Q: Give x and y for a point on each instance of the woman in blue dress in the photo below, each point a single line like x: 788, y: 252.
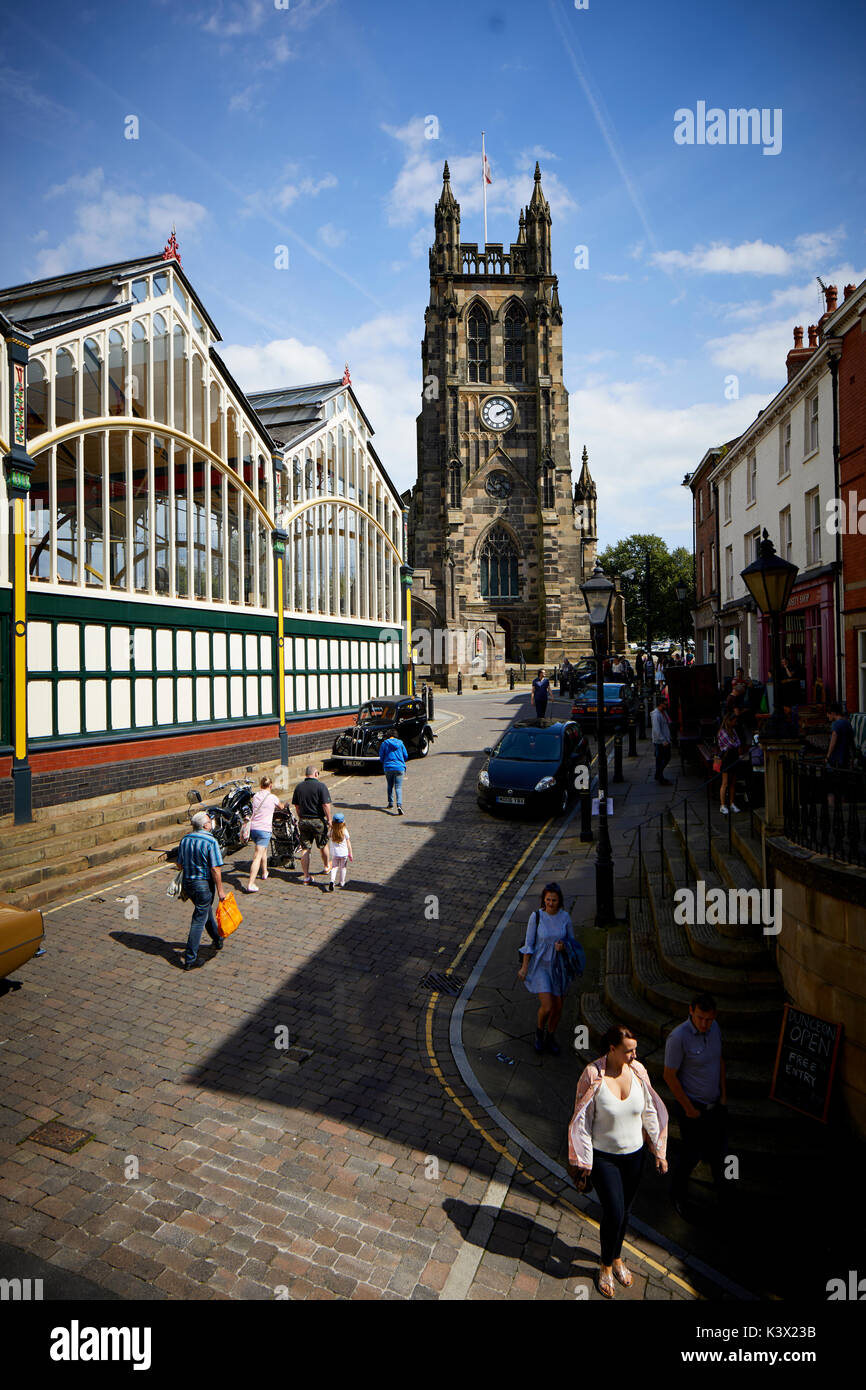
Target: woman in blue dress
x: 544, y: 970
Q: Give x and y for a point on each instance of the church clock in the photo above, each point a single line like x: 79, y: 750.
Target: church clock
x: 497, y: 413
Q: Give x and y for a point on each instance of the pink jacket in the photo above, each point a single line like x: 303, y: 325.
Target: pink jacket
x: 654, y: 1118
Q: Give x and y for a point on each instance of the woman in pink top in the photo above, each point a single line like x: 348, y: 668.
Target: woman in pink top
x: 261, y: 825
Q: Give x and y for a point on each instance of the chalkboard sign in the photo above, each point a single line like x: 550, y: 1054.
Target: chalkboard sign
x: 805, y: 1063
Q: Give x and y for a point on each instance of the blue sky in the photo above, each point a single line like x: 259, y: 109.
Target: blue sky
x: 306, y: 126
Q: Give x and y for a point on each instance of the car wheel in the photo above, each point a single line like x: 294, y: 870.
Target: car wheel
x: 423, y: 746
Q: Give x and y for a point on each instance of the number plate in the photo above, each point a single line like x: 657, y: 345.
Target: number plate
x: 353, y: 762
x: 512, y: 800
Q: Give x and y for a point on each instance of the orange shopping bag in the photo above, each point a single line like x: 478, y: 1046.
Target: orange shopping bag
x: 228, y: 916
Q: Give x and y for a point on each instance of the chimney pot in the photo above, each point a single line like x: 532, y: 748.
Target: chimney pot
x: 849, y: 290
x: 813, y: 335
x: 798, y: 337
x: 832, y: 295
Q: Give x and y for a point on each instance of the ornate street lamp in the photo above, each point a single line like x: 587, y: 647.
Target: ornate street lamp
x: 681, y: 591
x: 769, y: 580
x: 598, y: 592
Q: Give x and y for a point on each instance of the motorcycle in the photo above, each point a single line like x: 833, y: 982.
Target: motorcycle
x: 234, y: 811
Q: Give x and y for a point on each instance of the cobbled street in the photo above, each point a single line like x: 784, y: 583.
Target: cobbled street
x: 287, y: 1120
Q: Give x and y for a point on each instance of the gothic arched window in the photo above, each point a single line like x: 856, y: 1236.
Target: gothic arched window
x: 515, y: 338
x: 478, y: 346
x: 499, y: 576
x: 455, y: 489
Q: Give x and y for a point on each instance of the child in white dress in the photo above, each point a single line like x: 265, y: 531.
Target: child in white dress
x: 341, y: 852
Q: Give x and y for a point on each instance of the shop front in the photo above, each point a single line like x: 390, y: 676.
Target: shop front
x: 808, y: 643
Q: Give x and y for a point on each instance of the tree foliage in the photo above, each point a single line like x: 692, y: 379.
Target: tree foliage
x: 667, y: 568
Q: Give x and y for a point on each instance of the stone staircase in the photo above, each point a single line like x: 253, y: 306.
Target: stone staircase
x: 72, y: 849
x: 655, y: 965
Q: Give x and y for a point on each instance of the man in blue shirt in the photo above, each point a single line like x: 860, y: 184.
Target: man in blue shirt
x: 393, y: 756
x: 540, y: 694
x: 695, y: 1073
x: 200, y: 858
x: 841, y: 738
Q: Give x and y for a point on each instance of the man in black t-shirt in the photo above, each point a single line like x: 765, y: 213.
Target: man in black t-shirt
x: 312, y: 802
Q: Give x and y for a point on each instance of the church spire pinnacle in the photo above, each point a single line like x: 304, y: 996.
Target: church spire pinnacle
x: 445, y: 253
x: 171, y: 250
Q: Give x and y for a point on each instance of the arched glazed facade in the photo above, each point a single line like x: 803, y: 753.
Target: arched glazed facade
x: 161, y: 596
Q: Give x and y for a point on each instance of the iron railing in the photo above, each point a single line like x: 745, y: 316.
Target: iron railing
x: 824, y: 809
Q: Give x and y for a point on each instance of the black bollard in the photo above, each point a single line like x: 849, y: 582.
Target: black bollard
x: 586, y: 817
x: 511, y: 678
x: 617, y: 758
x: 641, y: 722
x: 632, y: 739
x: 459, y: 682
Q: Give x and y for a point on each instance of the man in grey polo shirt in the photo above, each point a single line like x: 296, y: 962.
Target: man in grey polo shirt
x: 695, y: 1073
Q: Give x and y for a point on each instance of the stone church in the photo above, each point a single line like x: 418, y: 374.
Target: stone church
x: 500, y: 537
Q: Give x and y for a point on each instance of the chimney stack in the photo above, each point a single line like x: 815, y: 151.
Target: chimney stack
x: 849, y: 290
x: 831, y: 295
x: 798, y: 354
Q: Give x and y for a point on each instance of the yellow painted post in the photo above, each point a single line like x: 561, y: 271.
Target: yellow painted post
x: 278, y: 540
x: 18, y: 466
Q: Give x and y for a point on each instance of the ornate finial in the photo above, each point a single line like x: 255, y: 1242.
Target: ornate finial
x: 171, y: 251
x: 347, y: 380
x: 584, y: 458
x: 537, y: 172
x: 446, y: 173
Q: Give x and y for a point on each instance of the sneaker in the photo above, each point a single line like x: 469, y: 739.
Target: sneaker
x: 399, y: 810
x: 724, y: 810
x: 330, y: 888
x: 735, y: 810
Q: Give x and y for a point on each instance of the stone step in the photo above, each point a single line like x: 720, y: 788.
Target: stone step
x: 740, y: 1010
x: 738, y: 970
x: 99, y: 818
x: 76, y: 866
x: 702, y: 867
x: 716, y: 942
x: 70, y: 845
x: 85, y: 884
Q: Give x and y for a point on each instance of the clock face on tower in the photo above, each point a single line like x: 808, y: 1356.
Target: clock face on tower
x: 497, y: 413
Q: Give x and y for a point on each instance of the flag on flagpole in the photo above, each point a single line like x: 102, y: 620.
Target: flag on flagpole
x: 485, y: 180
x: 486, y: 168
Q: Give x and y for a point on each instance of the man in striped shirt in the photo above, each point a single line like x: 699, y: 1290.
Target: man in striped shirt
x: 200, y: 858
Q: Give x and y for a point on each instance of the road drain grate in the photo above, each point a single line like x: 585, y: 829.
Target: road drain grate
x: 57, y: 1136
x: 440, y: 982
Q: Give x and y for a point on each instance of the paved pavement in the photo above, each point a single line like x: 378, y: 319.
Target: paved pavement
x: 289, y: 1119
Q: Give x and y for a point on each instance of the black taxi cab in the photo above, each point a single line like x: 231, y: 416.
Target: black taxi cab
x: 404, y: 716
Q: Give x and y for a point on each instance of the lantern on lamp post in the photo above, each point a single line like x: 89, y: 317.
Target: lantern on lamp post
x: 769, y: 580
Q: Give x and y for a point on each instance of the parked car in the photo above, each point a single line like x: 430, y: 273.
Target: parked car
x: 400, y: 715
x: 618, y: 700
x: 533, y: 766
x: 21, y: 933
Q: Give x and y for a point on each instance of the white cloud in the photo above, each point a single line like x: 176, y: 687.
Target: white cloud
x: 752, y: 257
x: 280, y: 52
x: 242, y: 18
x: 87, y: 185
x: 331, y: 235
x: 308, y: 188
x: 243, y: 100
x: 639, y: 452
x: 615, y: 279
x: 419, y: 182
x: 281, y: 362
x: 116, y: 226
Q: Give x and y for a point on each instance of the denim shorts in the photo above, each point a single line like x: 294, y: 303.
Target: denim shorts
x: 260, y: 837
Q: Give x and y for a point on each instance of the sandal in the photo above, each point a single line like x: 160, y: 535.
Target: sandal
x: 604, y: 1284
x: 623, y: 1275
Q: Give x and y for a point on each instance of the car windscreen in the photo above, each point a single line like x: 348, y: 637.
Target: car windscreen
x: 530, y: 746
x: 377, y: 714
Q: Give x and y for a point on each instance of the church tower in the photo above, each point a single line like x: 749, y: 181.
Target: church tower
x: 499, y: 537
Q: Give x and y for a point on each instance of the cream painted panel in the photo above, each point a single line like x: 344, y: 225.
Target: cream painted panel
x: 164, y: 700
x: 219, y: 651
x: 237, y: 696
x: 236, y: 651
x: 300, y: 655
x: 311, y: 653
x: 267, y: 695
x: 143, y: 649
x: 334, y: 662
x: 344, y: 690
x: 252, y: 695
x: 301, y: 692
x: 68, y: 717
x: 184, y: 700
x: 39, y: 647
x: 353, y: 660
x: 95, y: 705
x: 344, y: 655
x: 39, y: 698
x: 121, y: 704
x: 335, y: 691
x: 290, y: 694
x: 202, y: 698
x: 252, y: 652
x: 312, y: 701
x: 202, y: 651
x: 323, y: 692
x: 67, y: 647
x: 323, y: 654
x: 356, y: 699
x: 365, y: 688
x: 183, y: 648
x: 164, y: 655
x: 265, y: 656
x: 220, y: 697
x: 118, y: 645
x: 143, y: 704
x: 94, y: 648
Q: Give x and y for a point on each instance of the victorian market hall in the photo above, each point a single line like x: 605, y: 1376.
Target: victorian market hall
x: 499, y: 536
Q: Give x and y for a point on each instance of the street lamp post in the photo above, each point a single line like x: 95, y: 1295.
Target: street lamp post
x: 598, y: 592
x: 681, y: 592
x: 769, y: 580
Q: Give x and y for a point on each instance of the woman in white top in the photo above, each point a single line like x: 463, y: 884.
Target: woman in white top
x: 616, y: 1114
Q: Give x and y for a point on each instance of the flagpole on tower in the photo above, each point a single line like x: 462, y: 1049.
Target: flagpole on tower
x: 484, y: 185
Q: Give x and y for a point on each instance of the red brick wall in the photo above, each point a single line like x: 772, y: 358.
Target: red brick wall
x: 852, y: 473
